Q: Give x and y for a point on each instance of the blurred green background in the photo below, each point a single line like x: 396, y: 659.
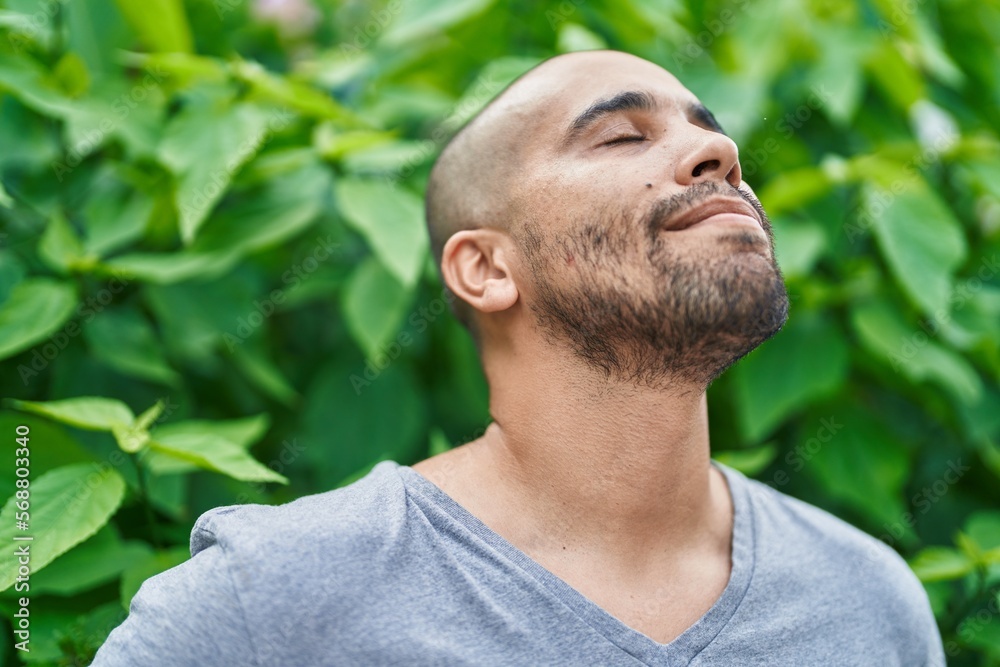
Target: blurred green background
x: 215, y: 284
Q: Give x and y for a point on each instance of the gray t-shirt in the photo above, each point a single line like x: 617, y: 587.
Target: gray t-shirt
x: 390, y: 570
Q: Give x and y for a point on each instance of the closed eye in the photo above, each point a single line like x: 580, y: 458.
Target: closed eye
x: 624, y: 139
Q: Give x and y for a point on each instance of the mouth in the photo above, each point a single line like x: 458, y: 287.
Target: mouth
x: 718, y: 210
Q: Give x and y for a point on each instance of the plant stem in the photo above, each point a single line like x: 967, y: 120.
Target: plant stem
x: 144, y: 494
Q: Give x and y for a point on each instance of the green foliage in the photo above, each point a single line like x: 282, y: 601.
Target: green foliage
x: 212, y: 237
x: 68, y: 505
x: 34, y: 309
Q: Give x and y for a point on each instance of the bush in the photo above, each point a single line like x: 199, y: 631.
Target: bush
x: 213, y: 241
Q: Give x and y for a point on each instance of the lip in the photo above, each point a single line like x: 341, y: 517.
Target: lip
x: 720, y: 209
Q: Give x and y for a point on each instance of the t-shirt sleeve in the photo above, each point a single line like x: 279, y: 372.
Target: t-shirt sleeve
x: 187, y: 616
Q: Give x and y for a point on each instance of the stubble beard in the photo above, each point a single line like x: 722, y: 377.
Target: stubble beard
x: 707, y: 312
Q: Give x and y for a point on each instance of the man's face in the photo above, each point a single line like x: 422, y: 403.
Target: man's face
x: 646, y: 252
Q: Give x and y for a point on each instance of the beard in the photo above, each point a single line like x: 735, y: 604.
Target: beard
x: 707, y: 308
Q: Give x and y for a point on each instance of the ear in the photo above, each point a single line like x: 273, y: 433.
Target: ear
x: 475, y: 268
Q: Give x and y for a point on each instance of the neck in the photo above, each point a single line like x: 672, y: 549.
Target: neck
x: 618, y: 471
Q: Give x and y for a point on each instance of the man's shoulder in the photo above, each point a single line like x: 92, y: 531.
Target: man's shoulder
x: 259, y: 575
x: 818, y: 531
x: 813, y: 548
x: 328, y: 525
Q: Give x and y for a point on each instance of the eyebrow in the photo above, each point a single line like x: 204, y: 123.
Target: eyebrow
x: 705, y: 117
x: 632, y: 100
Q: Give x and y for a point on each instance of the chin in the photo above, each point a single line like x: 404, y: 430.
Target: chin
x: 746, y: 242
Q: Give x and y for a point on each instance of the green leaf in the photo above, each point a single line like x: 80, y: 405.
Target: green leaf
x: 167, y: 268
x: 12, y: 272
x: 939, y: 595
x: 182, y: 68
x: 195, y: 317
x: 150, y: 416
x: 242, y: 432
x: 333, y: 144
x: 985, y: 175
x: 26, y: 80
x: 383, y: 413
x: 857, y: 460
x: 123, y: 339
x: 135, y: 436
x: 169, y: 493
x: 204, y: 146
x: 213, y: 453
x: 899, y: 81
x: 438, y: 442
x: 111, y: 111
x: 95, y: 561
x: 88, y: 630
x: 748, y: 461
x: 72, y: 75
x: 839, y: 70
x: 798, y: 245
x: 265, y: 375
x: 951, y: 371
x: 983, y: 528
x: 910, y: 351
x: 164, y: 466
x: 969, y: 547
x: 74, y: 626
x: 283, y: 208
x: 292, y: 95
x: 421, y: 19
x: 786, y: 373
x: 161, y: 24
x: 934, y: 57
x: 60, y: 247
x: 95, y: 30
x: 941, y: 563
x: 920, y: 240
x: 93, y: 413
x: 984, y: 637
x: 391, y: 220
x: 399, y: 158
x: 5, y: 199
x: 793, y: 189
x: 60, y: 449
x: 575, y: 37
x: 374, y: 306
x: 35, y: 309
x: 129, y: 438
x: 26, y: 141
x: 114, y: 220
x: 68, y: 505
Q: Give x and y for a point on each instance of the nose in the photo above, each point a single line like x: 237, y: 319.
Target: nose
x: 709, y: 156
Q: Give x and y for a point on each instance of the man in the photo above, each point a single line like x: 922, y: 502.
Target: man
x: 610, y: 262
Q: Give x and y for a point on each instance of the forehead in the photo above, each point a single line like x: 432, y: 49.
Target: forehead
x: 556, y: 92
x: 534, y: 115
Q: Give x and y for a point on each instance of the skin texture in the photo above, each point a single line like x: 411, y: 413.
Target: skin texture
x: 600, y: 326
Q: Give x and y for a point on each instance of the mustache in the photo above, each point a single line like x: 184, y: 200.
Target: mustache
x: 675, y: 205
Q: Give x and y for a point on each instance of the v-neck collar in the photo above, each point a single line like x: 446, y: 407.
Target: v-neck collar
x: 685, y: 646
